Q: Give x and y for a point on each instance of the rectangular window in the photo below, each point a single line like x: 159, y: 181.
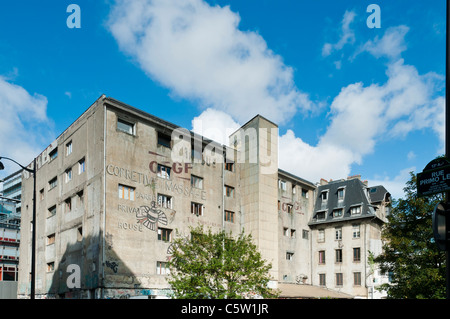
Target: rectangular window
x: 229, y: 216
x: 286, y: 231
x: 320, y: 216
x: 322, y: 257
x: 162, y: 268
x: 126, y: 192
x: 282, y: 185
x: 125, y: 126
x: 163, y: 171
x: 53, y: 183
x: 50, y: 266
x: 357, y: 278
x: 68, y: 175
x: 164, y: 201
x: 164, y: 140
x: 53, y: 154
x: 197, y: 209
x: 324, y: 195
x: 337, y: 213
x: 355, y: 210
x: 41, y: 194
x: 69, y: 148
x: 356, y: 231
x: 290, y: 208
x: 50, y: 239
x: 339, y: 279
x: 196, y: 182
x: 81, y: 166
x: 80, y: 195
x: 164, y: 234
x: 321, y: 236
x: 356, y: 254
x: 305, y: 234
x: 229, y: 167
x: 304, y: 193
x: 338, y: 232
x: 340, y: 193
x: 68, y: 205
x: 293, y: 233
x: 51, y: 211
x: 322, y: 280
x: 229, y: 191
x: 338, y: 255
x: 289, y: 256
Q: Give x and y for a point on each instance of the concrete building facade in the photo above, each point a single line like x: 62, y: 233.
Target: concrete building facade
x: 117, y: 185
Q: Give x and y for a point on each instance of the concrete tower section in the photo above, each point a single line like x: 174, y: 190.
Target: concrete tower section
x: 257, y: 147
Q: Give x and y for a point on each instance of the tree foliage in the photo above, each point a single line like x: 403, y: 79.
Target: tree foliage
x: 218, y: 266
x: 410, y: 255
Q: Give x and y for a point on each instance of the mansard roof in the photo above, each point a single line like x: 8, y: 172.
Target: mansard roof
x: 355, y: 195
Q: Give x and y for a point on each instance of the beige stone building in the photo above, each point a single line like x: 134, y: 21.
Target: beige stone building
x: 115, y: 187
x: 346, y: 234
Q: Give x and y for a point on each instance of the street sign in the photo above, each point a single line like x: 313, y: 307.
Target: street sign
x: 439, y: 225
x: 435, y: 178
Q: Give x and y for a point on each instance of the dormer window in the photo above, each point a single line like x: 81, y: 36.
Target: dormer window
x: 320, y: 215
x: 356, y: 210
x: 324, y: 195
x: 337, y: 213
x: 340, y: 193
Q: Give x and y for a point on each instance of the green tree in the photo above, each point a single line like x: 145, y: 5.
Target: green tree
x: 410, y: 255
x: 218, y: 266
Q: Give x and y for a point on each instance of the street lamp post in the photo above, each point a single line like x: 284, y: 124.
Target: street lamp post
x: 33, y: 238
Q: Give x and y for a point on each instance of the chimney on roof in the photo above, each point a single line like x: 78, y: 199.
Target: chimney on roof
x: 323, y: 181
x: 354, y: 176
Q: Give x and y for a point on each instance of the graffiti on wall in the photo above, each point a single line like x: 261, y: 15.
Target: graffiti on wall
x: 151, y: 216
x: 112, y: 265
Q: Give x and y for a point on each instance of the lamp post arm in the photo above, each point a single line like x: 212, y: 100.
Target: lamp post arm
x: 25, y: 168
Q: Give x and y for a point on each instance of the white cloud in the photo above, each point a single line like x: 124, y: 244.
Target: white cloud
x: 215, y: 125
x: 392, y: 44
x: 394, y: 185
x: 313, y: 162
x: 347, y: 35
x: 198, y: 52
x: 411, y: 155
x: 362, y: 115
x: 23, y: 124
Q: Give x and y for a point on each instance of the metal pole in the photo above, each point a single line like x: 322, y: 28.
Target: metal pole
x: 447, y: 137
x: 33, y: 237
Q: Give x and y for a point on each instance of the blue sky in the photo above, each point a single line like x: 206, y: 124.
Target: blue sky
x: 348, y: 99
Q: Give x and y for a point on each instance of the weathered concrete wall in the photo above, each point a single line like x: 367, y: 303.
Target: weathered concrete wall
x: 116, y: 239
x: 66, y: 234
x: 294, y: 212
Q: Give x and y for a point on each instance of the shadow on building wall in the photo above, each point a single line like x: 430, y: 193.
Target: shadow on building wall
x: 79, y: 273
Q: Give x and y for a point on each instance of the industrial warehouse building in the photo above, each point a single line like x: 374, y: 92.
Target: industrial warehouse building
x: 114, y: 187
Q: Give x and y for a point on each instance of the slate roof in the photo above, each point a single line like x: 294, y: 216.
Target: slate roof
x: 355, y: 194
x: 377, y: 193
